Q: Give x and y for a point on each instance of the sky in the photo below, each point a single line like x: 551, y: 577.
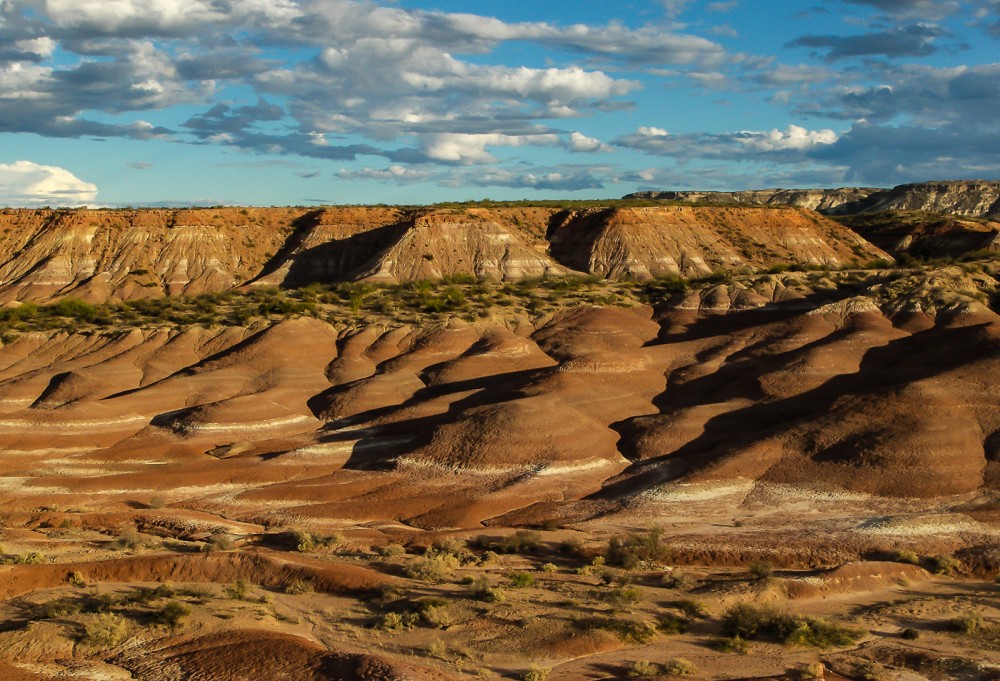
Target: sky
x: 311, y: 102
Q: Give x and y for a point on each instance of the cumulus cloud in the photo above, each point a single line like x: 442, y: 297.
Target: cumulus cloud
x: 580, y: 143
x: 795, y: 138
x: 28, y: 184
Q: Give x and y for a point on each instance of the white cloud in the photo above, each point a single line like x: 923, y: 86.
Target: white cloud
x: 465, y: 149
x: 795, y: 138
x: 580, y: 143
x: 28, y: 184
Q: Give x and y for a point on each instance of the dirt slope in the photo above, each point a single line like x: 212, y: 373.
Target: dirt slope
x: 110, y: 255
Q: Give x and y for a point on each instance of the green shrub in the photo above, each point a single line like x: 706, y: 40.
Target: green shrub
x: 678, y: 666
x: 967, y: 623
x: 644, y: 668
x: 818, y: 633
x: 239, y: 590
x: 640, y: 549
x: 732, y: 644
x: 750, y: 621
x: 105, y: 630
x: 623, y: 598
x: 627, y: 630
x: 910, y: 634
x: 536, y: 674
x: 945, y: 565
x: 689, y: 607
x: 521, y: 541
x: 669, y: 623
x: 905, y: 556
x: 432, y: 567
x: 521, y: 580
x: 391, y: 551
x: 297, y: 587
x: 482, y: 590
x: 172, y: 613
x: 747, y: 622
x: 761, y: 570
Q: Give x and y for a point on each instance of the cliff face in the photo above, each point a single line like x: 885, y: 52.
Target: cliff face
x: 968, y: 198
x: 124, y: 255
x: 694, y: 241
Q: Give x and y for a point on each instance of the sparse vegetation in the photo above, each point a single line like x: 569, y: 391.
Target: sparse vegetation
x: 640, y: 549
x: 105, y: 630
x: 746, y: 621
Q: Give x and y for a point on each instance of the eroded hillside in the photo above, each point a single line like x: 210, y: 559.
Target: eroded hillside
x: 127, y: 255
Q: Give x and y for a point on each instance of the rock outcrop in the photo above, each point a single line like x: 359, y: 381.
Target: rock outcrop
x: 110, y: 255
x: 961, y: 197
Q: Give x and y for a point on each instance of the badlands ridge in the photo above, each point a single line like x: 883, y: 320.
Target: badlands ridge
x: 763, y: 382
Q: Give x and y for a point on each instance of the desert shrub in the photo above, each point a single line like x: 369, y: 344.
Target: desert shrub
x: 750, y: 621
x: 677, y: 580
x: 622, y: 598
x: 133, y: 540
x: 637, y: 549
x: 452, y: 545
x: 761, y: 570
x: 391, y: 550
x: 689, y: 607
x: 627, y: 630
x: 521, y: 541
x: 536, y: 674
x: 60, y: 607
x: 548, y: 567
x: 218, y: 542
x: 678, y: 666
x: 968, y: 623
x: 643, y: 668
x: 945, y: 565
x: 239, y: 590
x: 31, y: 558
x: 815, y: 670
x: 732, y: 644
x: 521, y: 580
x: 397, y: 621
x: 76, y: 579
x: 905, y: 556
x: 432, y: 567
x: 438, y: 649
x: 910, y: 634
x: 105, y: 630
x: 156, y: 502
x: 818, y: 633
x: 172, y: 613
x: 297, y: 587
x: 669, y: 623
x: 303, y: 541
x: 146, y: 595
x: 482, y: 590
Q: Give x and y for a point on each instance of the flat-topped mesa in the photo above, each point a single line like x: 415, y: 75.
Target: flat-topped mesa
x: 822, y: 200
x: 693, y: 241
x: 120, y: 255
x: 972, y: 198
x: 126, y: 254
x: 482, y: 243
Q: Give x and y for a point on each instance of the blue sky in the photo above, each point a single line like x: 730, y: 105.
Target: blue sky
x: 303, y: 102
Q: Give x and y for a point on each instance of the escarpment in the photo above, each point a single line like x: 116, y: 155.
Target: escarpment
x: 101, y: 255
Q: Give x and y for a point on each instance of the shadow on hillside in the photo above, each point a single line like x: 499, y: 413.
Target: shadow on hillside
x: 883, y: 369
